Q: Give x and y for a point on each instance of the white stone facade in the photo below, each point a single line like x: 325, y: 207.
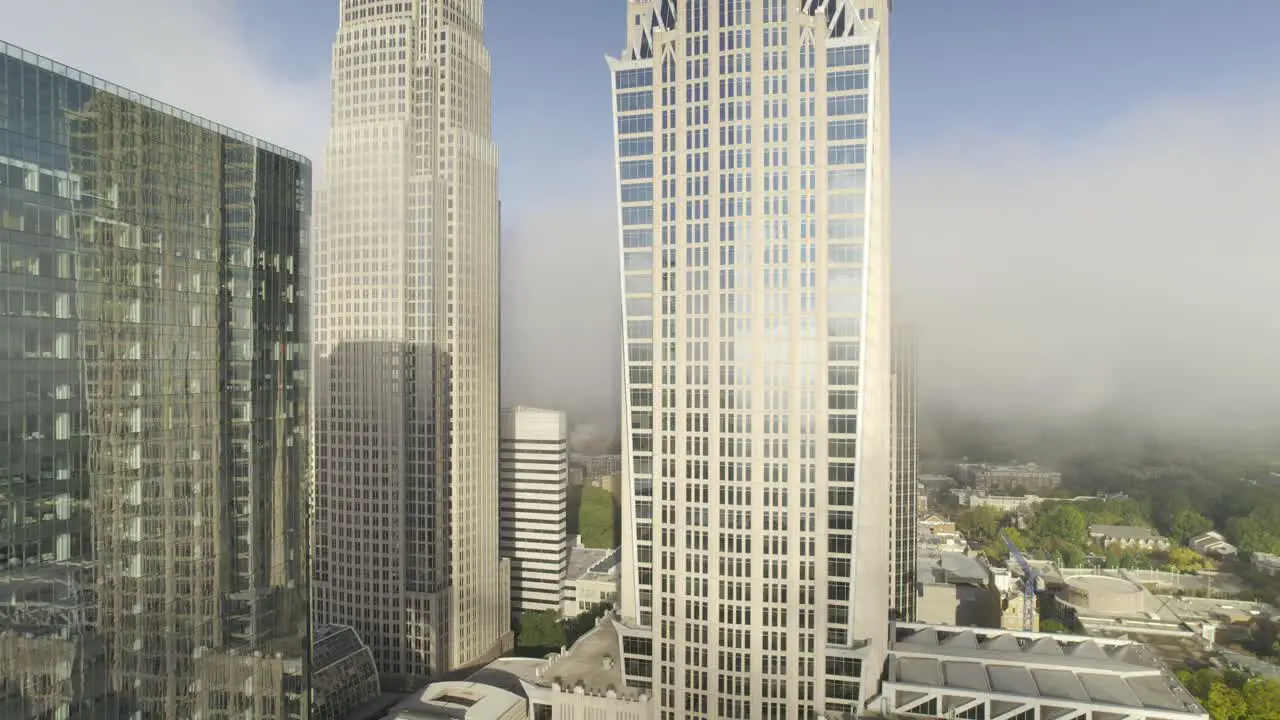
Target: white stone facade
x: 753, y: 170
x: 406, y: 342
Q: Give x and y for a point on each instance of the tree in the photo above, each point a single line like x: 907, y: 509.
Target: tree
x: 1060, y: 530
x: 1185, y: 560
x: 1262, y: 695
x: 596, y: 518
x: 1188, y: 524
x: 1200, y: 681
x: 1051, y: 625
x: 1263, y: 637
x: 980, y: 525
x: 1226, y: 703
x: 540, y: 630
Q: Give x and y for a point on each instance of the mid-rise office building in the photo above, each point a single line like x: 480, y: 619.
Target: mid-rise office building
x: 903, y: 528
x: 154, y: 388
x: 406, y: 338
x: 753, y: 170
x: 534, y: 481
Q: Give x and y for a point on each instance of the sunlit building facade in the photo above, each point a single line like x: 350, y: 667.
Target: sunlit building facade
x: 903, y: 527
x: 406, y: 343
x: 153, y: 408
x: 753, y: 169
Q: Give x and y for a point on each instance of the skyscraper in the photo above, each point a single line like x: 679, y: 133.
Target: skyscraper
x: 534, y: 476
x: 153, y: 407
x: 406, y: 337
x: 753, y: 163
x: 903, y: 528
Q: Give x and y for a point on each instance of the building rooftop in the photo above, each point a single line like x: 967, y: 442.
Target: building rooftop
x: 951, y: 567
x: 594, y: 662
x: 1041, y: 668
x: 1128, y: 532
x: 463, y: 700
x: 584, y: 561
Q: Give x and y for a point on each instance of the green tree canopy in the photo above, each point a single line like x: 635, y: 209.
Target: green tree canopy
x: 1188, y: 524
x: 1262, y: 695
x: 1060, y: 529
x: 540, y: 630
x: 1226, y: 703
x: 1052, y: 625
x: 980, y: 524
x: 596, y: 515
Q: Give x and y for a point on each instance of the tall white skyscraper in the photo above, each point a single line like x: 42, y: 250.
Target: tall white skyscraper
x: 406, y: 342
x: 753, y: 170
x: 534, y: 481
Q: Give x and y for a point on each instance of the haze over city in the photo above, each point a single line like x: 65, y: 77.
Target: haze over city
x: 1081, y: 203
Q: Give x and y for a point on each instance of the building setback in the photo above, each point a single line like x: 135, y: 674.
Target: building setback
x: 154, y: 391
x: 534, y: 481
x: 752, y: 148
x: 406, y: 338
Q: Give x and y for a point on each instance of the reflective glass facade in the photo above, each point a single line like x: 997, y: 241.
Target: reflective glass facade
x: 153, y: 408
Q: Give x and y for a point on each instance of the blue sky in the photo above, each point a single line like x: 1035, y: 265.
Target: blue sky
x: 1044, y: 68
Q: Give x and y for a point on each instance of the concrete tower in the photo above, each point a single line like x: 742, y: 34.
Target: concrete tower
x: 753, y: 171
x: 406, y: 342
x: 534, y: 480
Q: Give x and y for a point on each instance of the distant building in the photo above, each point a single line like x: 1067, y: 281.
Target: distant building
x: 1128, y: 536
x: 937, y: 482
x: 592, y: 579
x: 593, y: 466
x: 533, y: 477
x: 1007, y: 503
x: 1213, y: 543
x: 611, y: 483
x: 991, y: 478
x: 937, y: 525
x: 1266, y: 563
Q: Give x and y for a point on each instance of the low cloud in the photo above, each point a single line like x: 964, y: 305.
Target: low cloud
x: 561, y: 321
x: 1134, y: 266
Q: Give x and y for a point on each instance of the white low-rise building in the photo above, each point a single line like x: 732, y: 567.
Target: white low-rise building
x: 1128, y: 536
x: 1266, y: 563
x: 592, y: 580
x: 1213, y: 543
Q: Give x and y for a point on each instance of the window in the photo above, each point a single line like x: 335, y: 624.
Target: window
x: 639, y: 77
x: 846, y: 154
x: 630, y: 147
x: 632, y: 101
x: 847, y: 105
x: 637, y: 192
x: 845, y: 80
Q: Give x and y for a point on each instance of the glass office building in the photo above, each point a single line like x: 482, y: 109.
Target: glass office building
x: 153, y: 408
x: 753, y: 170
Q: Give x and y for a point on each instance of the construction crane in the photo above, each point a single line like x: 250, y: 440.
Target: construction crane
x: 1029, y: 581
